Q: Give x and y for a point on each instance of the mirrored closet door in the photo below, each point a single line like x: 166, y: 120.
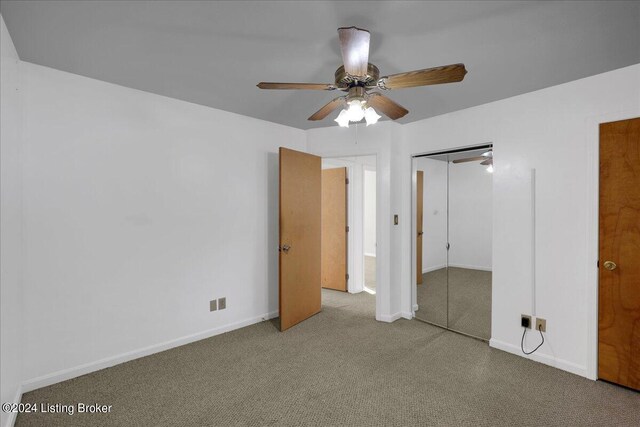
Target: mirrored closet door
x: 453, y: 240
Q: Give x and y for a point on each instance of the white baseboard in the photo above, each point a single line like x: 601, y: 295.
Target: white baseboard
x: 415, y: 307
x: 12, y: 415
x: 67, y: 374
x: 389, y: 317
x: 407, y: 315
x: 470, y: 267
x: 541, y: 358
x: 433, y: 268
x: 368, y: 254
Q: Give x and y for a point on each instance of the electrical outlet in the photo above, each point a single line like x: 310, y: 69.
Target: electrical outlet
x: 525, y: 321
x: 213, y: 305
x: 541, y: 325
x: 222, y: 303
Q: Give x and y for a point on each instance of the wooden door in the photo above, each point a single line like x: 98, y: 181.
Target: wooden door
x: 334, y: 229
x: 300, y: 200
x: 419, y: 225
x: 619, y: 258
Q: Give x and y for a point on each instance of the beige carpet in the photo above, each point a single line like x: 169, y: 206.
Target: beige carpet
x: 339, y: 368
x: 370, y: 272
x: 469, y: 300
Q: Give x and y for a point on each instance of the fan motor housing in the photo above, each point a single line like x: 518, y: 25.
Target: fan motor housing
x: 345, y: 80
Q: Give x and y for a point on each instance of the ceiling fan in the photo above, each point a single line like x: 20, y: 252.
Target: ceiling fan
x: 358, y: 78
x: 485, y: 159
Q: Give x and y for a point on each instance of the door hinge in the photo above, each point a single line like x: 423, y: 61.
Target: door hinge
x: 347, y: 276
x: 347, y: 228
x: 598, y: 264
x: 346, y: 181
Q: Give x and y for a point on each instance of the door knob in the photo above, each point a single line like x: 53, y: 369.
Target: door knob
x: 285, y: 248
x: 610, y: 265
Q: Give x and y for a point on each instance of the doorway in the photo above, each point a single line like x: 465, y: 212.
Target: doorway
x: 360, y: 214
x: 452, y: 235
x: 301, y: 235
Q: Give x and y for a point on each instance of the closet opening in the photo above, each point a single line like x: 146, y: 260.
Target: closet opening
x: 451, y: 235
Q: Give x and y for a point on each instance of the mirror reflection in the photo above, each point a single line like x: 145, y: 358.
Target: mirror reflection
x: 453, y: 252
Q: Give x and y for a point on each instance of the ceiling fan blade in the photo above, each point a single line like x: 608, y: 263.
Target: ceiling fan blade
x: 387, y: 106
x: 469, y: 159
x: 354, y: 44
x: 328, y: 108
x: 429, y: 76
x: 307, y: 86
x: 487, y: 162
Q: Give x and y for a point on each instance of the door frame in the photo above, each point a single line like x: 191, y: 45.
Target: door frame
x: 368, y: 168
x: 592, y: 142
x: 355, y: 264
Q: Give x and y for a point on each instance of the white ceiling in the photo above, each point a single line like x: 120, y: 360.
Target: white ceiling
x: 214, y: 53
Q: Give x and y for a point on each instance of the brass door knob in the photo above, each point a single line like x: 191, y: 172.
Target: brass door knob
x: 610, y: 265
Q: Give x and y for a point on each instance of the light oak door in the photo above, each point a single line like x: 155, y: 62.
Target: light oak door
x: 419, y: 215
x: 300, y: 202
x: 619, y: 258
x: 334, y: 229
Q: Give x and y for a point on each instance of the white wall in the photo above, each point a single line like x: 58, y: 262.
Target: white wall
x: 470, y: 216
x: 555, y: 131
x: 139, y: 209
x: 369, y: 212
x: 434, y: 213
x: 10, y: 224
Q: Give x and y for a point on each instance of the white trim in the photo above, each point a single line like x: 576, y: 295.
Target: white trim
x: 541, y: 358
x: 407, y: 315
x: 414, y: 234
x: 415, y: 307
x: 368, y: 290
x: 369, y: 254
x: 67, y: 374
x: 471, y: 267
x: 389, y: 317
x: 434, y: 268
x: 13, y: 415
x: 533, y: 242
x: 592, y: 146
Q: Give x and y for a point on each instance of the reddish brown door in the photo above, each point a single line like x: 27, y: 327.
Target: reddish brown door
x: 334, y: 229
x: 300, y: 201
x: 619, y: 259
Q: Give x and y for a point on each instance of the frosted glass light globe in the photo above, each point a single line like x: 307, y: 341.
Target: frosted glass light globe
x: 343, y: 119
x: 355, y: 111
x: 371, y: 116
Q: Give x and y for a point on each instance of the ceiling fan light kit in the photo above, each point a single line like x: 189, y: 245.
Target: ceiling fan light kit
x: 357, y: 109
x: 360, y: 79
